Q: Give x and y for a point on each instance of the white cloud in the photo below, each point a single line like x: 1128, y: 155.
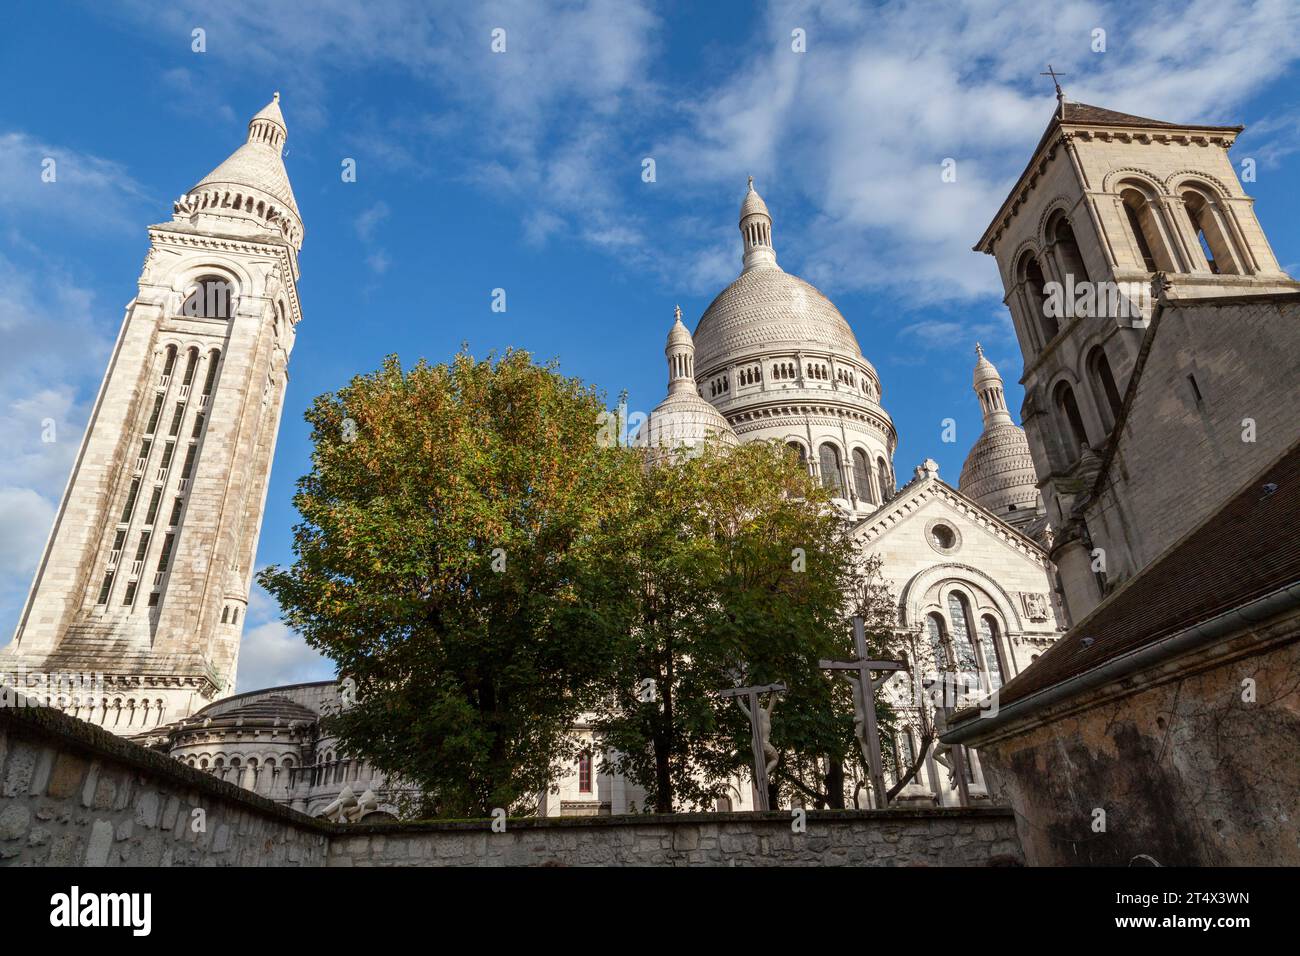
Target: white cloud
x: 858, y: 125
x: 97, y: 195
x: 270, y: 654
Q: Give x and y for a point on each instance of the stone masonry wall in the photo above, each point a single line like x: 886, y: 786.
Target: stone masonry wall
x: 1188, y: 768
x: 975, y: 837
x: 72, y: 794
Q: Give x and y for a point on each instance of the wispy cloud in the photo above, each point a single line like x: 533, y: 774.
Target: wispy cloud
x: 270, y: 654
x: 51, y: 183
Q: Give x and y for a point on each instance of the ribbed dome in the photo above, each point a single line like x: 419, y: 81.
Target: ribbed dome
x: 258, y: 166
x: 768, y: 308
x: 271, y: 707
x: 684, y: 420
x: 999, y: 471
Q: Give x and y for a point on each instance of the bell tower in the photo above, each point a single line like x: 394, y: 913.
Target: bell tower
x: 1112, y: 212
x: 146, y: 573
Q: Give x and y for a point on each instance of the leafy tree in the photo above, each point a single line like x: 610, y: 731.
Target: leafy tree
x: 454, y: 559
x: 736, y: 571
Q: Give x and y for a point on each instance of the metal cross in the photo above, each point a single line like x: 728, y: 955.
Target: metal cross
x: 864, y: 703
x: 758, y: 733
x: 1055, y: 82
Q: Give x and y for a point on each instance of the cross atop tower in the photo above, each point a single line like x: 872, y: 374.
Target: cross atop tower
x: 1060, y: 93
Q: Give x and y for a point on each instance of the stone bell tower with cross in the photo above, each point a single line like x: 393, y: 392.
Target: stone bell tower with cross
x: 1112, y: 211
x: 146, y: 574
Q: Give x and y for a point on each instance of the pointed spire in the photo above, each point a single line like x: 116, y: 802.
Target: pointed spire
x: 756, y: 230
x: 988, y: 386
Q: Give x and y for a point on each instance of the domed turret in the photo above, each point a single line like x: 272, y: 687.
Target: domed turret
x: 251, y: 188
x: 683, y: 420
x: 999, y: 472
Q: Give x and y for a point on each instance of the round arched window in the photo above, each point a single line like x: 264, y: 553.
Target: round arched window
x: 942, y: 536
x: 211, y: 297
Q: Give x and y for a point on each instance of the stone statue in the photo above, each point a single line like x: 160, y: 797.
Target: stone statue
x: 762, y: 723
x: 336, y: 811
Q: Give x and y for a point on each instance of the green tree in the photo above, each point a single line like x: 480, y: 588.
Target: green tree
x: 736, y: 571
x: 453, y: 559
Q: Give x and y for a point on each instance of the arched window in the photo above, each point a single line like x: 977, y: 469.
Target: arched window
x: 1036, y: 297
x: 210, y: 379
x: 798, y: 450
x: 991, y: 652
x: 211, y: 298
x: 1218, y: 252
x: 1067, y: 251
x: 964, y: 649
x: 862, y: 476
x: 1144, y: 231
x: 829, y: 459
x: 1099, y: 365
x: 938, y: 633
x: 1069, y: 409
x: 584, y: 772
x: 169, y: 363
x: 886, y: 480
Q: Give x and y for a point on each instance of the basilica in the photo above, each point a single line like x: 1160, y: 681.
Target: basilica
x: 146, y: 575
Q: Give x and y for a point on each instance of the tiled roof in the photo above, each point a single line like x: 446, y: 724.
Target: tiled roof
x: 1244, y: 551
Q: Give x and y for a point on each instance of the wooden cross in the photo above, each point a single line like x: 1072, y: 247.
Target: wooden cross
x: 760, y: 726
x: 1055, y: 82
x: 864, y: 703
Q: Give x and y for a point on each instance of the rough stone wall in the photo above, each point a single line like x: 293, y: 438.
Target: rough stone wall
x: 976, y: 837
x: 72, y: 794
x: 1187, y: 771
x: 1181, y: 456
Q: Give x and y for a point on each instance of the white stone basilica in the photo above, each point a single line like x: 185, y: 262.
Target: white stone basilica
x: 146, y: 574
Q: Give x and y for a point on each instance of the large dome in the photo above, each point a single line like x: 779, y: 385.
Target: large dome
x: 767, y: 308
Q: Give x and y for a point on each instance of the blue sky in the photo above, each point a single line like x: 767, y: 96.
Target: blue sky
x: 523, y: 171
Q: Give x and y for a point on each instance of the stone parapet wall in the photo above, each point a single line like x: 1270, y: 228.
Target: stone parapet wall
x: 974, y: 837
x: 72, y: 794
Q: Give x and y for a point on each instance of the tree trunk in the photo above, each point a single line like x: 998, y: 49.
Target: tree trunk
x: 835, y: 784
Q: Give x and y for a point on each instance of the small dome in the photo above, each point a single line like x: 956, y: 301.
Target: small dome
x: 257, y: 163
x: 684, y: 420
x: 985, y: 371
x: 679, y: 335
x: 753, y: 203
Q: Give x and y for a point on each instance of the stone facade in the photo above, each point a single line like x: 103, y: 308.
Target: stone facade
x: 146, y: 574
x: 1217, y: 400
x: 74, y: 795
x: 1140, y: 204
x: 974, y: 837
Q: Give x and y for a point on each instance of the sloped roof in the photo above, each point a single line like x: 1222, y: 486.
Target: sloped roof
x: 1244, y: 551
x: 1084, y: 114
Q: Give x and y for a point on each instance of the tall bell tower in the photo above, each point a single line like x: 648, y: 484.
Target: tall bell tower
x: 146, y: 573
x: 1112, y: 212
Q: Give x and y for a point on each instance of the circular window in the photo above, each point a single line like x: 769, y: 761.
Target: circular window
x: 942, y: 536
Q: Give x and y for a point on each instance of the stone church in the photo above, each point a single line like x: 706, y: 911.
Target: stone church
x: 146, y: 575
